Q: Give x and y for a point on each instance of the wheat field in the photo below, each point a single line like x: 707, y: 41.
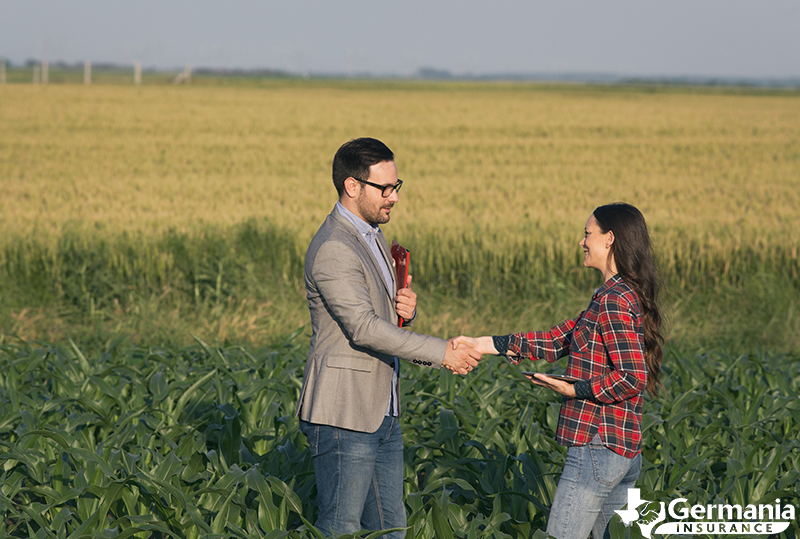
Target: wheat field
x: 505, y: 159
x: 499, y: 181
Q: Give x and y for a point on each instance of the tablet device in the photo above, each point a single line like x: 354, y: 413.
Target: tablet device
x: 563, y: 377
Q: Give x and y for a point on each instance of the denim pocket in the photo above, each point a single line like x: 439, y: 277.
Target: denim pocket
x: 609, y: 468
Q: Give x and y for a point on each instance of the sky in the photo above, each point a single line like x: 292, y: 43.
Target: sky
x: 753, y: 39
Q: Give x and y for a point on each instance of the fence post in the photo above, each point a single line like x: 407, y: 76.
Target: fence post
x: 137, y: 73
x: 87, y: 72
x: 45, y: 71
x: 184, y: 76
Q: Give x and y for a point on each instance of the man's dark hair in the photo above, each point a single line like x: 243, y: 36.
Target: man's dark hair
x: 354, y: 158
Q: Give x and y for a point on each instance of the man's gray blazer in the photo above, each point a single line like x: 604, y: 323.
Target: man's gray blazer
x: 355, y: 337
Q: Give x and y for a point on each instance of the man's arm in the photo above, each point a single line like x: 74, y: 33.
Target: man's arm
x: 340, y: 278
x: 457, y: 362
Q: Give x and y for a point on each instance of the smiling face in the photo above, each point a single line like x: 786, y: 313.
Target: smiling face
x: 597, y: 247
x: 368, y: 200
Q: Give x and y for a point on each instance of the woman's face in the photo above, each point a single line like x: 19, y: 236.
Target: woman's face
x: 596, y: 246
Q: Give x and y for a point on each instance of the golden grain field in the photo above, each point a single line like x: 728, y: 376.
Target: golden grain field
x: 504, y: 160
x: 499, y: 180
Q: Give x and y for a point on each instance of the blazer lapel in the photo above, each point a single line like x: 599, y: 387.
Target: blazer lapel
x: 382, y: 247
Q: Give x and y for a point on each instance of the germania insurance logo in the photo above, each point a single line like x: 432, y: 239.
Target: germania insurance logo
x: 678, y: 517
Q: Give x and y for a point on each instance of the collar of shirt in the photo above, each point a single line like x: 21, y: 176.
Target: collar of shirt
x: 367, y: 230
x: 369, y: 233
x: 607, y: 286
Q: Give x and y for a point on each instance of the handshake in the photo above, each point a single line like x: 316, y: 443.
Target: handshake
x: 464, y: 353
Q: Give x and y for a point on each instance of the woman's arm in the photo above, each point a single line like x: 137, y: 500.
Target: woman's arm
x: 617, y: 326
x: 550, y: 345
x: 488, y: 345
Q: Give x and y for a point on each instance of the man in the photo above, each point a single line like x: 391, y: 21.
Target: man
x: 349, y: 405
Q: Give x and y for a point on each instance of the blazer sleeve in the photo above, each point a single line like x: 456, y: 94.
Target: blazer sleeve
x: 340, y: 276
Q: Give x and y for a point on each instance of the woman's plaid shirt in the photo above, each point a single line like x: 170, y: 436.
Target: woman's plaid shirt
x: 605, y: 344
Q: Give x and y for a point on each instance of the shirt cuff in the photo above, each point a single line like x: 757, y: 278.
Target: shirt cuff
x: 501, y: 343
x: 583, y: 390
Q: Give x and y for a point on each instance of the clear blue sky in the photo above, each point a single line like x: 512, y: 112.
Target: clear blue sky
x: 714, y: 38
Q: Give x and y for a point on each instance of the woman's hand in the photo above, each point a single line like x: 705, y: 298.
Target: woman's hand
x: 559, y: 386
x: 484, y: 345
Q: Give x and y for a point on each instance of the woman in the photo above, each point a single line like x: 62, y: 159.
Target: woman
x: 614, y: 348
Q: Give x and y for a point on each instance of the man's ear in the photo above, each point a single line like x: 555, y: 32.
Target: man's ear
x: 351, y: 187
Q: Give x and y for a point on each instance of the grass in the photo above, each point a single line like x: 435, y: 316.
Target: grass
x: 243, y: 285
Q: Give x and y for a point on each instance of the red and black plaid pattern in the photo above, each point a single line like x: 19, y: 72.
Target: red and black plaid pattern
x: 605, y: 344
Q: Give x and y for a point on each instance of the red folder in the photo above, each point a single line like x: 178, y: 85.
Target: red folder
x: 402, y: 257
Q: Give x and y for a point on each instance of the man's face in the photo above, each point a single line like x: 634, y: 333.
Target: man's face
x: 371, y: 205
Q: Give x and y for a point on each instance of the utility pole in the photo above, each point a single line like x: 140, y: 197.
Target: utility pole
x: 87, y: 72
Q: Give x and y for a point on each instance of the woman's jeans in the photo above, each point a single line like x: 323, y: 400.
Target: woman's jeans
x: 359, y: 478
x: 593, y: 485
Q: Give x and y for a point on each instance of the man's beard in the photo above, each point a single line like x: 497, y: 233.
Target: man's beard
x: 372, y: 214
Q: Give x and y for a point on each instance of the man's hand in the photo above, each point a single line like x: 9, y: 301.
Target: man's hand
x: 460, y: 358
x: 406, y: 302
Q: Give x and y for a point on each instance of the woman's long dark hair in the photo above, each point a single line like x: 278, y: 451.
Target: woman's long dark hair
x: 633, y: 257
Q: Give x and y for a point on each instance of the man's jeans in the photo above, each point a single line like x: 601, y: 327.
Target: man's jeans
x: 593, y: 485
x: 359, y: 478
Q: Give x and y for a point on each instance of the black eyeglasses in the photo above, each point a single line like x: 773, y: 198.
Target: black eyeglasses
x: 386, y: 190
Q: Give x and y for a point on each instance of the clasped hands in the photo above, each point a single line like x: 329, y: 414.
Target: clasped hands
x: 457, y: 359
x: 460, y: 357
x: 474, y: 348
x: 464, y: 353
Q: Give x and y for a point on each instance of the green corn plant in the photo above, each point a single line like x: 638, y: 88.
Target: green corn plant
x: 201, y: 442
